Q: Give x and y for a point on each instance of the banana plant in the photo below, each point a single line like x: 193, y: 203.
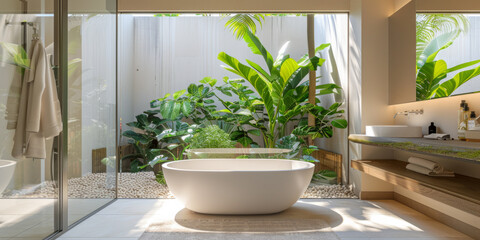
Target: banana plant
x: 283, y: 93
x: 431, y: 73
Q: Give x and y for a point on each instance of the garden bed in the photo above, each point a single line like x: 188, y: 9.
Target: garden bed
x: 144, y: 185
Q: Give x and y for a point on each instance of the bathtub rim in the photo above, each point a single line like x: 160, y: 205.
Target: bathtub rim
x: 9, y: 163
x: 309, y: 165
x: 244, y: 151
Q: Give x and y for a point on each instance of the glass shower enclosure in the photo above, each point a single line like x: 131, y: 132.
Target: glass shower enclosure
x: 47, y: 186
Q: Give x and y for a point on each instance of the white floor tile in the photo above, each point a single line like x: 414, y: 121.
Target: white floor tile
x: 134, y: 207
x: 110, y: 226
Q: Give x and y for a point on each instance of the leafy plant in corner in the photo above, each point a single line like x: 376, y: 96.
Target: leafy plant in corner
x: 283, y: 93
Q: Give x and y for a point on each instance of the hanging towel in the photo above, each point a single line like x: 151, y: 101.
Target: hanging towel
x: 426, y: 171
x: 432, y: 166
x: 39, y: 114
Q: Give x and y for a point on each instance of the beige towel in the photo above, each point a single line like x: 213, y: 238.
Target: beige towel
x: 432, y: 166
x: 426, y: 171
x: 39, y: 112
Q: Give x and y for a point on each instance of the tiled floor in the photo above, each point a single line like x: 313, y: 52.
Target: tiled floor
x: 350, y: 219
x: 29, y: 219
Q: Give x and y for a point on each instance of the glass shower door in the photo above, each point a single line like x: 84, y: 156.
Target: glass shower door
x: 28, y: 177
x: 91, y: 99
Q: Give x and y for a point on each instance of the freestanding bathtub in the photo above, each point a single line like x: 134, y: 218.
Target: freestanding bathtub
x: 7, y: 168
x: 238, y: 186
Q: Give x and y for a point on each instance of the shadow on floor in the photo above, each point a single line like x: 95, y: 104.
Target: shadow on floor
x: 301, y: 217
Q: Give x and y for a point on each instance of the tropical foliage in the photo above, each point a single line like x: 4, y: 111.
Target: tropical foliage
x: 241, y: 23
x: 269, y: 99
x: 211, y: 137
x: 436, y: 32
x: 156, y: 139
x: 283, y: 94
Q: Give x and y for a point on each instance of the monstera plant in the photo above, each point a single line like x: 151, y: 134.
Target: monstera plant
x: 283, y: 94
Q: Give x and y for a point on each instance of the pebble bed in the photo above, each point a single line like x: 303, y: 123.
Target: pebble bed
x: 144, y: 185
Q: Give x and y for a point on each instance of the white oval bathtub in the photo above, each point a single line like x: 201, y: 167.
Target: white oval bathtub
x: 7, y: 168
x: 238, y: 186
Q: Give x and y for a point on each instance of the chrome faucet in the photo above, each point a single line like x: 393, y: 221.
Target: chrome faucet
x: 407, y: 113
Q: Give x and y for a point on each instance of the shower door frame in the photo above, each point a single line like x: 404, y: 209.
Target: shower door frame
x: 61, y: 142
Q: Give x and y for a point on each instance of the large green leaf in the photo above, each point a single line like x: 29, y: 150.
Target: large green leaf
x: 321, y: 47
x: 288, y: 68
x: 137, y: 137
x: 263, y: 87
x: 257, y: 48
x: 260, y: 70
x: 187, y: 108
x: 463, y: 65
x: 178, y: 94
x: 166, y: 109
x: 435, y: 46
x: 156, y: 160
x: 448, y: 87
x: 339, y: 123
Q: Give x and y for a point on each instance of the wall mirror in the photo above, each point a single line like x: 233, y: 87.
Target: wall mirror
x: 446, y: 59
x: 447, y: 54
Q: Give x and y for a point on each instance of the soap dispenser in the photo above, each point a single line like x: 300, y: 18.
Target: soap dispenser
x: 472, y: 121
x: 432, y: 128
x: 462, y: 126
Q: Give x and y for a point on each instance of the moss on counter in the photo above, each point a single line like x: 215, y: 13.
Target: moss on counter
x: 436, y: 150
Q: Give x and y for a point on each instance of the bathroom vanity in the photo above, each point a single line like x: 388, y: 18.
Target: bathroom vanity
x: 460, y: 192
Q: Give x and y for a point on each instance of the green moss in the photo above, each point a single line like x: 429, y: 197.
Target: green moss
x: 438, y: 150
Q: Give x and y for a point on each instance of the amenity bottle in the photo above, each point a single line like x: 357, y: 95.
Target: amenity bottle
x: 462, y: 126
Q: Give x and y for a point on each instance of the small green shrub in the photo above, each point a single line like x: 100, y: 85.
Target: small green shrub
x: 160, y: 178
x: 211, y: 137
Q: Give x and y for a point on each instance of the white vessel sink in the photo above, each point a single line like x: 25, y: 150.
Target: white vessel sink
x: 393, y: 131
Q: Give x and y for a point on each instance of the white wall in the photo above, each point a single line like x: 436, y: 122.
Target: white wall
x: 368, y: 76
